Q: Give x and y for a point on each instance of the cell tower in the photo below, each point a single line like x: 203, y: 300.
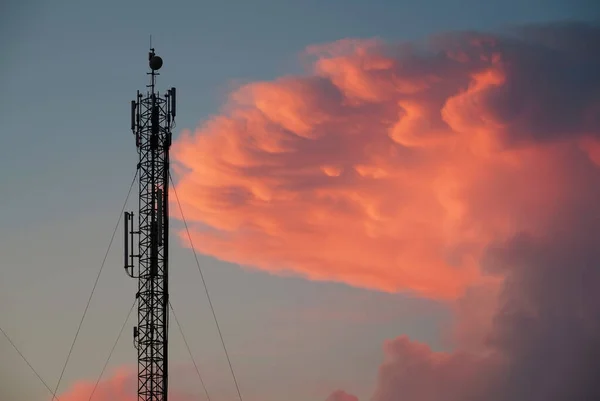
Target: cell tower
x: 152, y: 117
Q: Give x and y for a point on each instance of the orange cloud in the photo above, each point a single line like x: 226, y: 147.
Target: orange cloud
x: 540, y: 343
x: 387, y: 167
x: 340, y: 395
x: 120, y: 387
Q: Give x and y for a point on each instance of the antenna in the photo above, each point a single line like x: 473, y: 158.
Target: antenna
x: 151, y: 122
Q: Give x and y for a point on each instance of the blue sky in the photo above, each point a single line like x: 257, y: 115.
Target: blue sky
x: 67, y: 157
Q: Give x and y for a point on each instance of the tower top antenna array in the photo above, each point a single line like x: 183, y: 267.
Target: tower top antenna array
x: 146, y: 256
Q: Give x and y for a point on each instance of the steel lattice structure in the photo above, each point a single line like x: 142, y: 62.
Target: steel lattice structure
x: 152, y: 118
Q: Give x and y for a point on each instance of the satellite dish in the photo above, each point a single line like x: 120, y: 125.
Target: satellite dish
x: 155, y: 63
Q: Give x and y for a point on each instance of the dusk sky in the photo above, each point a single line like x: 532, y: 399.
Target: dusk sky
x: 373, y: 217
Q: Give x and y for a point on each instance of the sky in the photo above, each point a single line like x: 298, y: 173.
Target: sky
x: 363, y: 208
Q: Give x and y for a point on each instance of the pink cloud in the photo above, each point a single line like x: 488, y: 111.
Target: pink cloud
x: 465, y: 170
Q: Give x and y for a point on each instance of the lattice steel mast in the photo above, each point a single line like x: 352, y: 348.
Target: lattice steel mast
x: 152, y: 117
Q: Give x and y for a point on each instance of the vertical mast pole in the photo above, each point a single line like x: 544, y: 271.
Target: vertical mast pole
x: 151, y: 122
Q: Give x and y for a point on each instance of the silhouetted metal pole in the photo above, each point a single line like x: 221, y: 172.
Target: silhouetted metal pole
x: 152, y: 117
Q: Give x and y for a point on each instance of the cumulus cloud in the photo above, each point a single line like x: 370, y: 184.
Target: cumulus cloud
x: 465, y: 169
x: 545, y: 339
x: 120, y: 385
x: 340, y: 395
x: 391, y: 167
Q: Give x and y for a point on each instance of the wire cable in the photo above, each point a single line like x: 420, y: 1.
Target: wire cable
x: 189, y: 350
x: 28, y: 364
x: 237, y: 387
x: 94, y: 287
x: 112, y: 350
